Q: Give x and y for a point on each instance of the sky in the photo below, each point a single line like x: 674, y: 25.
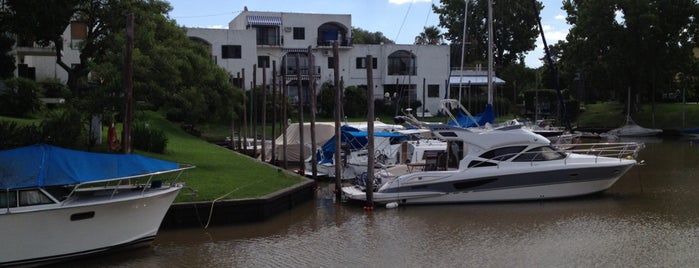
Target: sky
x: 398, y: 20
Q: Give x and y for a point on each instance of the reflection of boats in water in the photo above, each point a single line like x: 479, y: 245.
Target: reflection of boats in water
x: 57, y: 203
x: 509, y: 163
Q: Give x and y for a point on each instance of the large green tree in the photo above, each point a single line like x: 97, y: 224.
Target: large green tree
x: 514, y: 29
x: 361, y: 36
x: 170, y: 71
x: 638, y: 45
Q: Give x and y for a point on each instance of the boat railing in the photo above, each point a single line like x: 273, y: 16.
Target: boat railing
x: 142, y: 182
x: 619, y: 150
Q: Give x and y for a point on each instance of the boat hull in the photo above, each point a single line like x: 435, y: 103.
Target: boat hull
x: 490, y: 185
x: 40, y: 234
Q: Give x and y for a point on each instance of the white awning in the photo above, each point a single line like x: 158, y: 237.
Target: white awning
x: 264, y: 20
x: 473, y: 80
x: 296, y: 50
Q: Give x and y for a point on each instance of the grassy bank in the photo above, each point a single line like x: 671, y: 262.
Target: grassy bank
x: 666, y: 116
x: 219, y: 172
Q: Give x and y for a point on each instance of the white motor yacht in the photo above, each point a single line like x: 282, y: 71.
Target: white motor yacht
x: 503, y: 164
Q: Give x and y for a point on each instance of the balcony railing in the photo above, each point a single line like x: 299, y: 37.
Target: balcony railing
x: 346, y: 42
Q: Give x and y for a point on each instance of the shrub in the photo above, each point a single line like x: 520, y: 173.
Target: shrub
x: 62, y: 129
x: 20, y: 98
x: 13, y: 135
x: 148, y: 139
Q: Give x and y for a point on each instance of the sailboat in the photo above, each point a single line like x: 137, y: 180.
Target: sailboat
x: 630, y: 128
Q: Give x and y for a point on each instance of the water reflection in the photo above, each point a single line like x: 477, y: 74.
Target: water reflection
x: 649, y: 218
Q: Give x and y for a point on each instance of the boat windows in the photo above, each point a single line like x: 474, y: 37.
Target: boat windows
x: 5, y: 196
x: 33, y: 197
x: 503, y: 154
x: 543, y: 153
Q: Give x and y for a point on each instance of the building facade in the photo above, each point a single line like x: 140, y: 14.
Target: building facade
x: 268, y: 40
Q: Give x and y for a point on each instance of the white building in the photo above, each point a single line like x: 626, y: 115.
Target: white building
x: 411, y: 72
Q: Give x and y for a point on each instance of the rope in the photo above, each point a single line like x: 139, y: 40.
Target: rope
x: 211, y: 211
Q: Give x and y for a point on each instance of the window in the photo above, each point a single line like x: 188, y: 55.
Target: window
x: 433, y: 91
x: 299, y: 33
x: 262, y: 61
x: 543, y: 153
x: 502, y: 154
x: 231, y: 52
x: 361, y: 63
x: 401, y: 63
x: 268, y: 36
x: 331, y: 63
x: 33, y: 197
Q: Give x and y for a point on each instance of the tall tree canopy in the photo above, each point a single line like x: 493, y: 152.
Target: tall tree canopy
x: 170, y: 70
x: 514, y: 28
x: 361, y: 36
x: 636, y: 45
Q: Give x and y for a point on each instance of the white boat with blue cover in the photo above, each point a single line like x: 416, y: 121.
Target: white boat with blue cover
x: 57, y: 203
x: 504, y: 164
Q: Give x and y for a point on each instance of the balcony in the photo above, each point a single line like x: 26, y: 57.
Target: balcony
x: 346, y: 42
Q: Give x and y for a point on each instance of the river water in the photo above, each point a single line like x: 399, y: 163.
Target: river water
x: 650, y: 217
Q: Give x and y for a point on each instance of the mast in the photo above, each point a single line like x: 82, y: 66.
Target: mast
x: 463, y: 48
x: 490, y: 52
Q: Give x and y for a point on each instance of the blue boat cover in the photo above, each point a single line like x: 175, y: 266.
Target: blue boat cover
x: 354, y: 138
x: 45, y: 165
x: 462, y: 120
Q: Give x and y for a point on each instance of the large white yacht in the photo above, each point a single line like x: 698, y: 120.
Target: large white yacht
x: 507, y: 163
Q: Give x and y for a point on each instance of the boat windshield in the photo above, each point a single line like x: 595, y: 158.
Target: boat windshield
x: 543, y: 153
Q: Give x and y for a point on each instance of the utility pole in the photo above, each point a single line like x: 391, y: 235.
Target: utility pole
x: 300, y: 97
x: 370, y: 136
x: 338, y: 108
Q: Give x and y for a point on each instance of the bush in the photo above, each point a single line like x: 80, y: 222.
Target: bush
x: 148, y: 139
x: 13, y: 135
x: 20, y: 97
x: 62, y: 129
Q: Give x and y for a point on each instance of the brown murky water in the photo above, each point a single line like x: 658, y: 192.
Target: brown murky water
x: 649, y: 218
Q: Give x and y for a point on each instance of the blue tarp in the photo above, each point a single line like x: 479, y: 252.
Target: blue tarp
x: 45, y: 165
x: 462, y: 120
x: 354, y: 138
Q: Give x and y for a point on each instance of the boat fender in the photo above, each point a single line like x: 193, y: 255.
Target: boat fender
x: 392, y: 205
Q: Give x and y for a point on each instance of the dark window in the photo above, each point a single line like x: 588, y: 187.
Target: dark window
x: 502, y: 154
x: 401, y: 63
x: 299, y: 33
x: 262, y: 61
x: 361, y: 63
x: 331, y: 63
x: 268, y: 36
x: 433, y: 91
x: 33, y: 197
x: 231, y: 52
x: 543, y: 153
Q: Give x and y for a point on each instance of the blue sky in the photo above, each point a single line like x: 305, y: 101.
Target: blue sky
x: 399, y: 20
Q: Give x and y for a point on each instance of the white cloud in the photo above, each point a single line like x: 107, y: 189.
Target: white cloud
x: 560, y: 17
x: 400, y: 2
x: 218, y: 27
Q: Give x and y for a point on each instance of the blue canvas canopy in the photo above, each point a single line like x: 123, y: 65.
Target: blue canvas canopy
x: 354, y: 138
x: 462, y: 120
x: 45, y: 165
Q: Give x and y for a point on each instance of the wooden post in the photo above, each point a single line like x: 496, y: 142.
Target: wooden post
x: 285, y: 163
x: 370, y: 135
x: 264, y: 112
x: 273, y: 159
x: 338, y: 109
x: 302, y: 157
x: 244, y: 132
x: 312, y: 82
x: 253, y: 117
x: 423, y: 98
x: 128, y: 78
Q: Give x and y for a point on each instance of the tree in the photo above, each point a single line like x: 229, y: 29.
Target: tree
x: 429, y: 36
x: 514, y: 26
x: 361, y: 36
x: 637, y: 45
